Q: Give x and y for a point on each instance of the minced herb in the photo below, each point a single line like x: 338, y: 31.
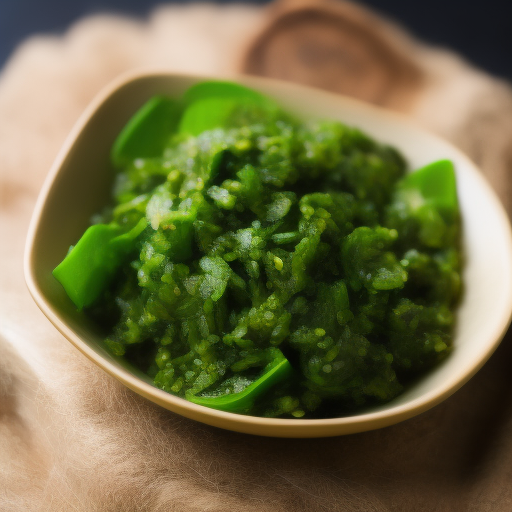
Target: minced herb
x: 261, y: 265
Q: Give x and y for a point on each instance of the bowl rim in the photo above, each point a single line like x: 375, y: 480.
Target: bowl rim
x: 274, y: 427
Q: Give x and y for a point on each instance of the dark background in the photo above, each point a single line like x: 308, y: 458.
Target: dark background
x: 480, y: 31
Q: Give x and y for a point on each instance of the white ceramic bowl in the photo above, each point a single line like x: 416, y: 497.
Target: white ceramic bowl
x: 78, y: 186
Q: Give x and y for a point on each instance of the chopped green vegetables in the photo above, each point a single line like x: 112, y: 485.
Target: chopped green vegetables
x: 256, y: 264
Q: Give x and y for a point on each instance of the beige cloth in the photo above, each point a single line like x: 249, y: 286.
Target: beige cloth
x: 73, y: 439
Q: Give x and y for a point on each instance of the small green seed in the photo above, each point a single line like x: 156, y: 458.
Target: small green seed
x: 278, y: 263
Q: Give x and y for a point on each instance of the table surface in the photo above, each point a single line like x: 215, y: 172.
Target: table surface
x: 482, y: 36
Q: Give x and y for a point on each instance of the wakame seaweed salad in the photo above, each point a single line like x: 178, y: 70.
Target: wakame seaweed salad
x: 259, y: 264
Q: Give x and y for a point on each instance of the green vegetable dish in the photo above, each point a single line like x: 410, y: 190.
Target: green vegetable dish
x: 258, y: 264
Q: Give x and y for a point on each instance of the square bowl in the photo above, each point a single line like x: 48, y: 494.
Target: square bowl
x: 79, y: 183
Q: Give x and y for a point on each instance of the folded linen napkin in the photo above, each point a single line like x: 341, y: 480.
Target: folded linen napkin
x: 72, y: 438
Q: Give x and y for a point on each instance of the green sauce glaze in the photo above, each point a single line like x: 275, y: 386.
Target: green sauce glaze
x: 267, y: 266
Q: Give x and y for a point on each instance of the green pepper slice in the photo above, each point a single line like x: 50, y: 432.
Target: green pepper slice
x: 211, y: 104
x: 436, y: 183
x: 91, y: 264
x: 425, y: 208
x: 147, y: 132
x: 276, y: 371
x: 221, y: 89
